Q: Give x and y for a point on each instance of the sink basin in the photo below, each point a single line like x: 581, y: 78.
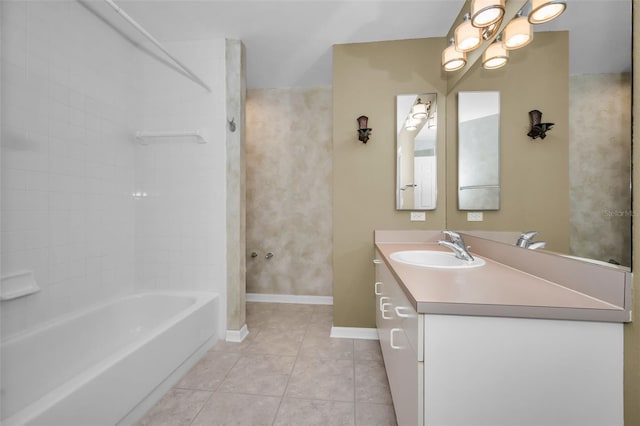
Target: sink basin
x: 434, y: 259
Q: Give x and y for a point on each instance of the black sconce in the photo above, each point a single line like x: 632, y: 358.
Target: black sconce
x: 538, y: 129
x: 363, y: 130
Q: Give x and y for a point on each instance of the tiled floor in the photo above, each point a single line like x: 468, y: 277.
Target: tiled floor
x: 287, y: 372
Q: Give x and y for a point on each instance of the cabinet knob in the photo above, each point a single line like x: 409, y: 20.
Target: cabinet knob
x: 377, y: 261
x: 376, y: 289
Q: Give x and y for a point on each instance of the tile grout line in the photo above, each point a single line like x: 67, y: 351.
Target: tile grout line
x: 290, y: 374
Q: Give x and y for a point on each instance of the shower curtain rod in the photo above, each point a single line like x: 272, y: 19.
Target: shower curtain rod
x: 153, y: 40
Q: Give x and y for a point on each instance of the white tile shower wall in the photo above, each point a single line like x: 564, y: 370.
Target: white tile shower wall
x: 68, y: 89
x: 181, y: 220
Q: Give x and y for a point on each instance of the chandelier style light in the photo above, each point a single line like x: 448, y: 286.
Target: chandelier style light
x: 545, y: 10
x: 495, y: 56
x: 453, y: 60
x: 484, y: 20
x: 467, y: 37
x: 486, y: 12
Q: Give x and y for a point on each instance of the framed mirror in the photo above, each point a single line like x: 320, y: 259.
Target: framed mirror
x: 479, y: 150
x: 416, y: 139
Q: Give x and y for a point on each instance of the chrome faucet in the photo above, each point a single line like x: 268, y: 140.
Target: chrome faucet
x: 526, y: 238
x: 526, y: 241
x: 457, y: 245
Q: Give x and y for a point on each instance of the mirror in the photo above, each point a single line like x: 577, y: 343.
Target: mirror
x: 595, y: 128
x: 416, y: 137
x: 479, y: 150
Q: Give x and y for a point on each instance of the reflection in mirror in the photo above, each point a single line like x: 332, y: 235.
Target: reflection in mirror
x: 479, y: 150
x: 416, y: 186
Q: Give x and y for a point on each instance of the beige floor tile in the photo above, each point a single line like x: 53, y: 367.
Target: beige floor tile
x: 315, y: 412
x: 209, y: 372
x: 314, y: 378
x: 319, y: 346
x: 367, y: 350
x: 375, y: 414
x: 259, y: 375
x: 371, y: 382
x: 178, y: 407
x: 277, y: 342
x: 238, y: 409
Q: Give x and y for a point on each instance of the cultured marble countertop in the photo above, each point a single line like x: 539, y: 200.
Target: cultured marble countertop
x: 494, y: 289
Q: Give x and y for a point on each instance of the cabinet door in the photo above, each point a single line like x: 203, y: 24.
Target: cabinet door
x: 400, y: 358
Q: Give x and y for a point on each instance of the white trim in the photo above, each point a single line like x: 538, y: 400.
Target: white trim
x: 355, y: 333
x: 289, y: 298
x: 156, y: 394
x: 237, y: 336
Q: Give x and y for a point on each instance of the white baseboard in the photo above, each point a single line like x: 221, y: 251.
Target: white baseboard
x: 354, y: 333
x: 237, y: 336
x: 289, y: 298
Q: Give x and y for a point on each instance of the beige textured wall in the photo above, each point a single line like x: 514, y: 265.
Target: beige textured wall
x: 236, y: 184
x: 632, y: 330
x: 366, y: 79
x: 599, y: 168
x: 534, y: 174
x: 289, y: 191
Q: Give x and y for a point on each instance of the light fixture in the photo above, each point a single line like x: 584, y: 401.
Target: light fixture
x: 453, y: 60
x: 411, y: 124
x: 546, y: 10
x: 420, y: 110
x: 517, y: 33
x: 495, y: 56
x: 538, y: 128
x: 363, y: 131
x: 486, y: 12
x: 467, y: 37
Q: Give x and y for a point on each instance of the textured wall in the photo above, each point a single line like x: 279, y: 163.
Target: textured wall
x: 599, y: 167
x: 236, y: 184
x: 289, y: 168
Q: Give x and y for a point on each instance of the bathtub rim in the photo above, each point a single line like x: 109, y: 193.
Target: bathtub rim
x: 26, y: 413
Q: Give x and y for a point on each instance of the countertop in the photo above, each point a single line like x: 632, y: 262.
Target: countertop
x: 494, y: 289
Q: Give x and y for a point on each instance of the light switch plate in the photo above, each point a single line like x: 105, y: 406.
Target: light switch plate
x: 418, y: 216
x: 474, y: 217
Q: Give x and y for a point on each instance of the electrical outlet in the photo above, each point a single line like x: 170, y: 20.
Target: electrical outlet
x: 418, y: 216
x: 474, y: 217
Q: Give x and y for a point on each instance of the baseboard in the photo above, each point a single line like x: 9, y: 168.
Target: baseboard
x: 289, y: 298
x: 354, y: 333
x: 237, y: 336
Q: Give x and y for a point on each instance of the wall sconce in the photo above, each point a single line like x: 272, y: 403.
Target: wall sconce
x: 538, y: 129
x: 363, y: 130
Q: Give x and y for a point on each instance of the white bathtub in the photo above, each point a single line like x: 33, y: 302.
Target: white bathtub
x: 93, y: 367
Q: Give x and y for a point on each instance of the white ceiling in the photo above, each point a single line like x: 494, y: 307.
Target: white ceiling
x: 288, y: 42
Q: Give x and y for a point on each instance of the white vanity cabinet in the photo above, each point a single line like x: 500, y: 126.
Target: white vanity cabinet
x: 449, y: 370
x: 400, y: 333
